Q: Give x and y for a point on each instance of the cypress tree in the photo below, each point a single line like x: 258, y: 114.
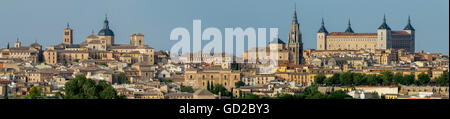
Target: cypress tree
x: 208, y: 86
x: 6, y: 93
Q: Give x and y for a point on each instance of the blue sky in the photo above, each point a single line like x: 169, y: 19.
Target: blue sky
x: 44, y: 20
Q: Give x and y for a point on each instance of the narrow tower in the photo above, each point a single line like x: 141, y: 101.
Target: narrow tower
x: 17, y: 44
x: 410, y: 29
x: 68, y: 35
x: 137, y: 39
x: 295, y: 44
x: 322, y: 37
x: 384, y: 36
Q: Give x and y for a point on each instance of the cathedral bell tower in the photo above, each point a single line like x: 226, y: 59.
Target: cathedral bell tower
x: 295, y: 44
x: 68, y: 35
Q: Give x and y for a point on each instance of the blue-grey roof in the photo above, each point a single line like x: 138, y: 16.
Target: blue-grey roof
x: 349, y: 28
x: 106, y: 31
x: 409, y: 26
x: 322, y: 28
x: 279, y: 41
x: 384, y: 25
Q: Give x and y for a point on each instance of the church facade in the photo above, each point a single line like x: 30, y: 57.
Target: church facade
x: 100, y: 47
x: 384, y: 38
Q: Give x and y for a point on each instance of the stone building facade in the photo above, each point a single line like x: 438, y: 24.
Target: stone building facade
x: 384, y: 38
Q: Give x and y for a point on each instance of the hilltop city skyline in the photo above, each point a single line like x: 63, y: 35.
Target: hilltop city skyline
x: 386, y: 61
x: 30, y: 27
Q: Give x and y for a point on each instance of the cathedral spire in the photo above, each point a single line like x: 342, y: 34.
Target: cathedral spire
x: 68, y: 26
x: 349, y: 27
x: 294, y: 19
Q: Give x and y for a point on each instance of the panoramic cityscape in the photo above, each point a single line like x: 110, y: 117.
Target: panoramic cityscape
x: 385, y: 63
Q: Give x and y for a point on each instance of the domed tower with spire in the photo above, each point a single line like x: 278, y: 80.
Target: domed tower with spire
x: 295, y: 44
x: 106, y: 33
x: 321, y: 37
x: 410, y: 29
x: 384, y: 36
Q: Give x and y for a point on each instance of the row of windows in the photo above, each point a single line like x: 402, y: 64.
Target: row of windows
x: 212, y: 77
x: 353, y: 40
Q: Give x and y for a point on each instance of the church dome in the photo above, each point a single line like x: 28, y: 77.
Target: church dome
x: 106, y: 31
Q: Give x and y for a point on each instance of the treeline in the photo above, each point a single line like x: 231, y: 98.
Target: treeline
x: 81, y: 87
x: 385, y: 78
x: 310, y: 92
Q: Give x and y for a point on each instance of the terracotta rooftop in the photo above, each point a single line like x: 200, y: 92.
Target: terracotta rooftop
x: 351, y: 34
x: 400, y: 33
x: 5, y: 81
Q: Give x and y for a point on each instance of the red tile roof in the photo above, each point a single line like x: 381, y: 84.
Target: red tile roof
x: 351, y: 34
x: 400, y: 33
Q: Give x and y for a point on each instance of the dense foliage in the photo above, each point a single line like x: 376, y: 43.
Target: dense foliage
x: 165, y: 80
x: 385, y: 78
x: 188, y: 89
x: 82, y: 88
x: 35, y: 92
x: 239, y: 84
x: 310, y: 92
x: 218, y: 88
x: 122, y: 79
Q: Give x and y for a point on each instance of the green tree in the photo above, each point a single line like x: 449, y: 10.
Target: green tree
x: 340, y: 94
x: 59, y: 94
x: 398, y: 78
x: 103, y: 64
x: 312, y: 92
x: 250, y: 96
x: 123, y: 79
x: 211, y: 85
x: 7, y: 46
x: 220, y: 88
x: 372, y: 79
x: 423, y: 78
x: 443, y: 80
x: 165, y: 80
x: 328, y: 82
x: 387, y: 77
x: 108, y: 93
x: 5, y: 96
x: 82, y: 88
x: 335, y: 78
x: 187, y: 89
x: 35, y: 92
x: 359, y: 79
x: 408, y: 79
x: 374, y: 96
x: 208, y: 86
x: 239, y: 84
x: 346, y: 78
x: 320, y: 78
